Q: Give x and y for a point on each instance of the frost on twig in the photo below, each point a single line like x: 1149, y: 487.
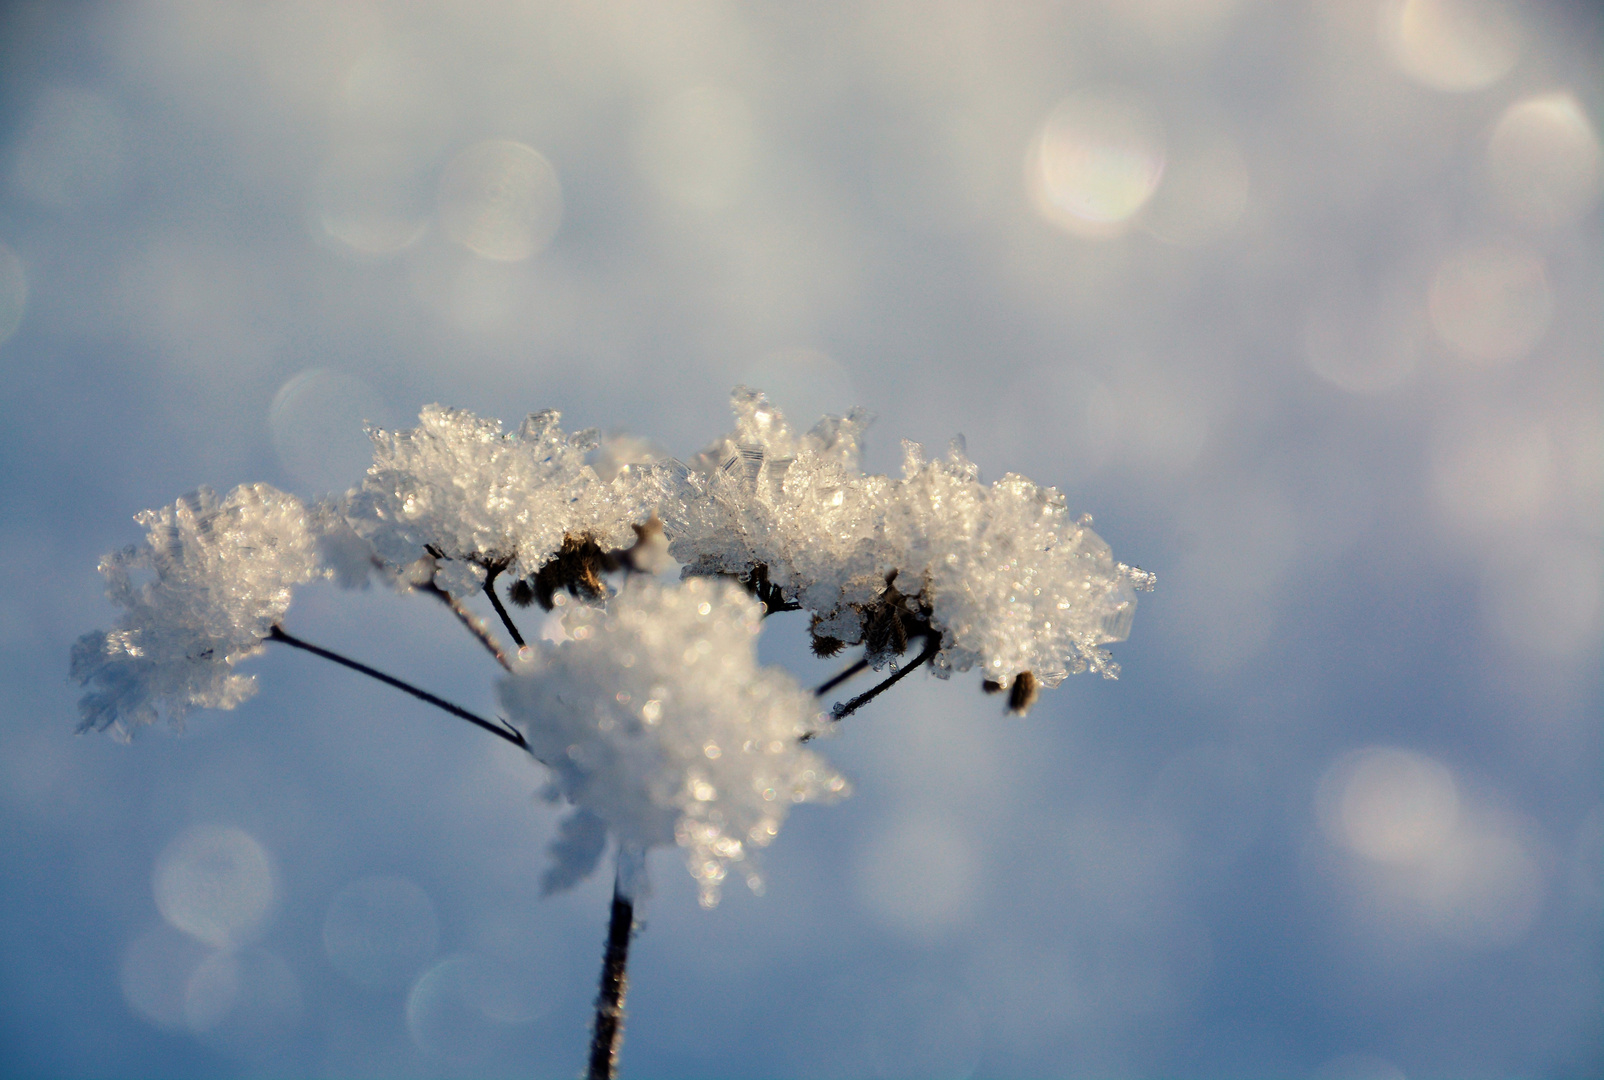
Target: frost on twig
x: 459, y: 487
x: 658, y: 722
x: 999, y: 574
x: 200, y: 594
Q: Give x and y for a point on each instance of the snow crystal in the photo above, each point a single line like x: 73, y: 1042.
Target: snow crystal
x: 458, y: 488
x: 797, y: 505
x: 201, y: 593
x: 1006, y: 578
x: 657, y: 721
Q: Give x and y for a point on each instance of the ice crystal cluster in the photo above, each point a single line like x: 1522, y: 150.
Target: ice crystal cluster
x: 458, y: 488
x: 200, y: 595
x: 1000, y: 574
x: 656, y: 721
x: 659, y: 725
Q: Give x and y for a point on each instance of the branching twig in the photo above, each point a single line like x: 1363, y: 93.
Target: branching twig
x: 491, y: 570
x: 836, y: 680
x: 841, y: 711
x: 476, y: 626
x: 608, y: 1030
x: 502, y: 730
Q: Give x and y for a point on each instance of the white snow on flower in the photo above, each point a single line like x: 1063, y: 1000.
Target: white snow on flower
x: 459, y: 488
x: 1002, y: 573
x: 1013, y: 582
x: 799, y: 505
x: 661, y: 728
x: 200, y: 594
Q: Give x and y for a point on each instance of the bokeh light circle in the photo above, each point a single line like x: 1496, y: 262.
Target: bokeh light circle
x: 1391, y: 805
x: 373, y: 199
x: 1491, y: 304
x: 1544, y: 161
x: 1451, y: 45
x: 501, y: 200
x: 216, y: 884
x: 460, y: 1009
x: 1095, y: 162
x: 317, y: 420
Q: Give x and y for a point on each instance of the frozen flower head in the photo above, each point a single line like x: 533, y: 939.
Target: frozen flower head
x: 661, y: 728
x: 200, y: 594
x: 795, y: 510
x: 459, y: 489
x: 1011, y: 581
x: 995, y: 576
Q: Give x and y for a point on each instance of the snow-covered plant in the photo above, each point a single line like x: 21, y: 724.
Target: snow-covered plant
x: 650, y: 715
x: 660, y: 728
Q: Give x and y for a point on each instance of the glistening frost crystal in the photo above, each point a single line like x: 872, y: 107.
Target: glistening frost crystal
x: 657, y: 721
x: 458, y: 488
x: 999, y: 574
x: 222, y: 573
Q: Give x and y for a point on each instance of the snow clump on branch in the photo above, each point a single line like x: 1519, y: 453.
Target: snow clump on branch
x: 661, y: 728
x: 460, y: 490
x: 998, y: 576
x: 223, y: 570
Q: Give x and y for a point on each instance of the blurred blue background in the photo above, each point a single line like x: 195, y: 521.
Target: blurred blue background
x: 1301, y: 299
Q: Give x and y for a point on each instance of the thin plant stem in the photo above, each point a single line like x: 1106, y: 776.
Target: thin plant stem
x: 608, y: 1030
x: 835, y: 681
x: 503, y: 731
x: 842, y: 711
x: 495, y: 602
x: 476, y: 626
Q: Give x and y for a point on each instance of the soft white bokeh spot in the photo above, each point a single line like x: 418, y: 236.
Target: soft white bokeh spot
x: 243, y: 1003
x: 1097, y: 159
x: 1392, y: 805
x: 155, y: 972
x: 459, y: 1009
x: 501, y: 200
x: 1497, y: 473
x: 1491, y: 304
x: 1544, y: 161
x: 373, y: 199
x: 317, y: 420
x: 1428, y: 856
x: 215, y: 883
x: 380, y: 931
x: 1452, y: 45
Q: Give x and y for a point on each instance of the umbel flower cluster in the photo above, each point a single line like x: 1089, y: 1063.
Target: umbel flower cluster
x: 651, y: 714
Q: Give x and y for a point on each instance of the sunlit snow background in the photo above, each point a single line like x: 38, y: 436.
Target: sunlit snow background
x: 1302, y: 300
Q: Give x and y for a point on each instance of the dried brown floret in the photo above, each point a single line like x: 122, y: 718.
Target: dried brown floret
x: 825, y: 645
x: 577, y: 567
x: 990, y: 686
x: 1022, y: 695
x: 756, y: 581
x: 521, y: 592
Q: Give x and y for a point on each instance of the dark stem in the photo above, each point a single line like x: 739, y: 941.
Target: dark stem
x: 504, y: 731
x: 476, y: 626
x: 495, y: 602
x: 932, y: 647
x: 608, y: 1031
x: 831, y: 684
